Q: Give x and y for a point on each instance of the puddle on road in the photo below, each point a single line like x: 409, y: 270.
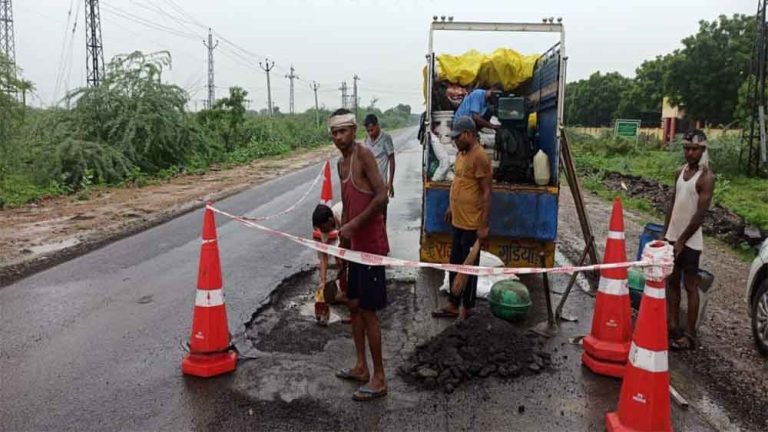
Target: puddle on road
x: 684, y: 380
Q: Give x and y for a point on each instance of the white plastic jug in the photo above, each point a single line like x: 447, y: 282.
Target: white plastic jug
x: 541, y: 168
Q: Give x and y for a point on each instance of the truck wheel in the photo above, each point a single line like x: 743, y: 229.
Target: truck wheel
x: 760, y: 318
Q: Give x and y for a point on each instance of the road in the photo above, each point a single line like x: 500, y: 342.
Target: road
x: 95, y: 343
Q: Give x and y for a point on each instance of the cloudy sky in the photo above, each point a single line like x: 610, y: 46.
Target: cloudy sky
x: 329, y: 41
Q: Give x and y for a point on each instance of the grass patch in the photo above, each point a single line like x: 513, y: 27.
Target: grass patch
x: 745, y: 196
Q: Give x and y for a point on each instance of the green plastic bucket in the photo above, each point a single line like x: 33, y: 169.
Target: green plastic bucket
x: 636, y: 282
x: 509, y: 299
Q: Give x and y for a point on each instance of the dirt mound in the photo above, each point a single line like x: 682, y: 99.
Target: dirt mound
x: 719, y: 222
x: 479, y: 347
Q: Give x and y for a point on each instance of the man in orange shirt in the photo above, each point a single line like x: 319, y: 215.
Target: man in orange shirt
x: 470, y: 204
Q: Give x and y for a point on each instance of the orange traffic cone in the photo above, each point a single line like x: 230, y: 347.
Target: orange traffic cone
x: 326, y: 194
x: 607, y: 346
x: 644, y: 404
x: 210, y: 350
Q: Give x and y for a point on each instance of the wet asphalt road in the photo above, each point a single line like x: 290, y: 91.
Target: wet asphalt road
x: 94, y: 343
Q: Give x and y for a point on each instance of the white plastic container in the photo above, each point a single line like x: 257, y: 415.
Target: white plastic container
x: 443, y: 121
x: 541, y: 168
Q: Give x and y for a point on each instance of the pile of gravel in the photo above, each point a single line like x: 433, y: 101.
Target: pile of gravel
x: 480, y: 347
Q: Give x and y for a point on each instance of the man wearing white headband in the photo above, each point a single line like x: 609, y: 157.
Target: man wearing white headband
x: 690, y: 201
x: 364, y: 197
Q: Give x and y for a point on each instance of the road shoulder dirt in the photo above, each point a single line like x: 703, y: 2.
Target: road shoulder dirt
x: 37, y: 236
x: 727, y: 363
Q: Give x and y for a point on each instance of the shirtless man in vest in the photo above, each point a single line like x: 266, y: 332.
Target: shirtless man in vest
x: 691, y: 198
x: 364, y: 198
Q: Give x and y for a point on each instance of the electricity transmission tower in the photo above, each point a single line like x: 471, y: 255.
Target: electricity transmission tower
x: 7, y: 44
x: 314, y: 86
x: 355, y: 79
x: 756, y: 97
x: 344, y: 96
x: 94, y: 50
x: 211, y: 86
x: 266, y: 67
x: 291, y: 76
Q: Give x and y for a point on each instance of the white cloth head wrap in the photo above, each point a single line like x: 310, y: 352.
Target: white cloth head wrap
x: 704, y: 161
x: 342, y: 120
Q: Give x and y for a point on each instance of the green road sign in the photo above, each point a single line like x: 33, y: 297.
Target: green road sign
x: 627, y: 128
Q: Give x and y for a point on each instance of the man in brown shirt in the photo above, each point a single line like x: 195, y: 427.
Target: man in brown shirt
x: 470, y: 204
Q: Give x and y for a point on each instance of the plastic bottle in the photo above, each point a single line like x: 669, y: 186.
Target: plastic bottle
x: 541, y: 168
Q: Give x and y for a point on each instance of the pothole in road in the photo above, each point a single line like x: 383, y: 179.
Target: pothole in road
x: 287, y: 324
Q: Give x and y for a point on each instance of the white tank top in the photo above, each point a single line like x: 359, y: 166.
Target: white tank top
x: 686, y: 204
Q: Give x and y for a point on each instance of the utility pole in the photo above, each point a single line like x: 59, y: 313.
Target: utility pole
x: 7, y: 44
x: 94, y: 50
x: 344, y: 98
x: 266, y: 67
x: 355, y: 79
x: 314, y: 86
x: 291, y: 76
x: 211, y: 86
x: 755, y: 135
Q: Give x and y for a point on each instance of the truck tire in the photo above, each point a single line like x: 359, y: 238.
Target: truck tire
x: 760, y: 318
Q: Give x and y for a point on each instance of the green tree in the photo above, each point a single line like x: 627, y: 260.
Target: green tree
x: 595, y: 100
x: 227, y: 118
x: 643, y: 97
x: 10, y: 115
x: 130, y: 121
x: 25, y: 86
x: 705, y: 75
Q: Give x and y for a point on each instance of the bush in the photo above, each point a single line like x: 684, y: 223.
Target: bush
x: 137, y: 114
x: 132, y: 128
x: 81, y: 163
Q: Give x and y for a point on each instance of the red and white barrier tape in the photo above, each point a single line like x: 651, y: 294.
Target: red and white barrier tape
x: 372, y: 259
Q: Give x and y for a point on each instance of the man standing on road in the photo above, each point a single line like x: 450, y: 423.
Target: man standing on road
x: 470, y: 205
x: 380, y: 143
x: 690, y: 201
x: 475, y: 106
x: 364, y: 197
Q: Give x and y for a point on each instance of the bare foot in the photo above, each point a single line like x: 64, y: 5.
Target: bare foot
x: 377, y: 383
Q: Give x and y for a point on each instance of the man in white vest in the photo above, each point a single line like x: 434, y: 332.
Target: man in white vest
x: 691, y: 198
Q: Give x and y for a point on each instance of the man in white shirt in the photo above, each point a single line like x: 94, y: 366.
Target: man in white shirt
x: 380, y: 143
x: 691, y: 198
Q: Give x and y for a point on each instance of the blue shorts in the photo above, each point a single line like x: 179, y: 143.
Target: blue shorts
x: 367, y: 285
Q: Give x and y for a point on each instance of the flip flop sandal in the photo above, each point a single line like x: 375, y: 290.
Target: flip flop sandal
x: 346, y: 374
x: 442, y: 313
x: 365, y: 394
x: 690, y: 344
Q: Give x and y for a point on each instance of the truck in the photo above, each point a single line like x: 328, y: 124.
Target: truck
x: 523, y: 217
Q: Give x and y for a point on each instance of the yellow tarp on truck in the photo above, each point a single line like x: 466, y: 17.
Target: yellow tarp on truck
x: 474, y: 69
